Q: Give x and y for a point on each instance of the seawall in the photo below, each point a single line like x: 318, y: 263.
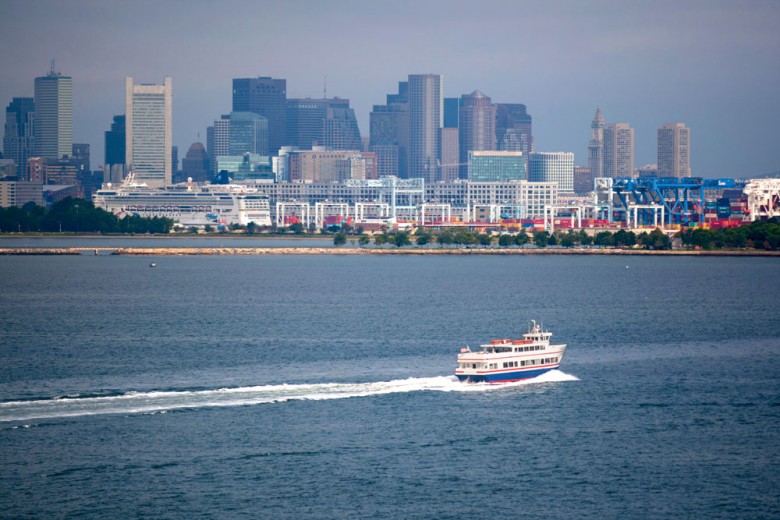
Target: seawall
x: 194, y: 251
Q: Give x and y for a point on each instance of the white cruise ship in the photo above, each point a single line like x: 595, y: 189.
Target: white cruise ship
x: 188, y: 204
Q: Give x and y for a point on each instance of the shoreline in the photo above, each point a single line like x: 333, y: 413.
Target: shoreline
x: 333, y: 251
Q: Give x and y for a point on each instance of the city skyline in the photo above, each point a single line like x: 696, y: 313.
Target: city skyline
x: 709, y: 65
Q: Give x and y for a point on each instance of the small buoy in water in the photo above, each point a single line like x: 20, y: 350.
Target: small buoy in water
x: 152, y: 265
x: 626, y: 267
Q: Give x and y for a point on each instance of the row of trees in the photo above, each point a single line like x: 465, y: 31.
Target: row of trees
x: 464, y: 237
x: 76, y: 216
x: 757, y: 235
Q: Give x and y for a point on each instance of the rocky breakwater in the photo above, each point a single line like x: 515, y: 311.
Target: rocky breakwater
x: 39, y: 251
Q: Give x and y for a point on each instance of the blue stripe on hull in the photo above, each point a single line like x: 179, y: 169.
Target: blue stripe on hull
x: 504, y: 377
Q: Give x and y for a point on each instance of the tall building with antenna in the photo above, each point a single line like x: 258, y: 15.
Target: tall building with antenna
x: 596, y: 145
x: 53, y: 126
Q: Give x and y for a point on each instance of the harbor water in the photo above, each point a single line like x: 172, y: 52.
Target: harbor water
x: 321, y: 387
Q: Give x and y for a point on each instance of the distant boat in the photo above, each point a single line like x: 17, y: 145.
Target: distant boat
x: 152, y: 265
x: 506, y: 360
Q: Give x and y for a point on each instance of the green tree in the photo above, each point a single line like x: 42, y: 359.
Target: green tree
x: 624, y: 238
x: 485, y: 239
x: 604, y: 239
x: 584, y: 238
x: 567, y: 240
x: 445, y: 237
x: 522, y: 238
x: 506, y: 240
x: 463, y: 236
x: 541, y: 238
x: 423, y: 238
x: 339, y: 239
x: 363, y: 240
x: 402, y: 238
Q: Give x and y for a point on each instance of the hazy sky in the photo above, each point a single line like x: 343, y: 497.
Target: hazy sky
x: 713, y: 65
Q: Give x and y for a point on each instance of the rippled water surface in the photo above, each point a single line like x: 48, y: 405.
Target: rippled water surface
x: 320, y: 387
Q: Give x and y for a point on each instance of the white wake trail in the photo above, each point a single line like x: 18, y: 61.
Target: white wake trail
x: 162, y: 401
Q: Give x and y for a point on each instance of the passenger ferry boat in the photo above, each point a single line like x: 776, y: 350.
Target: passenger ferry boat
x: 507, y: 360
x: 188, y: 204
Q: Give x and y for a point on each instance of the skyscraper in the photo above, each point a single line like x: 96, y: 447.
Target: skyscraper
x: 451, y: 107
x: 450, y: 154
x: 389, y: 133
x: 148, y: 131
x: 618, y: 150
x: 218, y: 140
x: 425, y: 119
x: 267, y: 97
x: 114, y: 151
x: 477, y: 123
x: 328, y: 122
x: 18, y: 143
x: 552, y: 167
x: 248, y: 134
x: 514, y: 128
x: 596, y: 145
x: 674, y: 151
x: 80, y: 155
x: 53, y: 128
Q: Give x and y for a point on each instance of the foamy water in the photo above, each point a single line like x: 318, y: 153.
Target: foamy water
x: 161, y: 401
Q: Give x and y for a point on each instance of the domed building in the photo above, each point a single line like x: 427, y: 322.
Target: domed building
x: 195, y: 164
